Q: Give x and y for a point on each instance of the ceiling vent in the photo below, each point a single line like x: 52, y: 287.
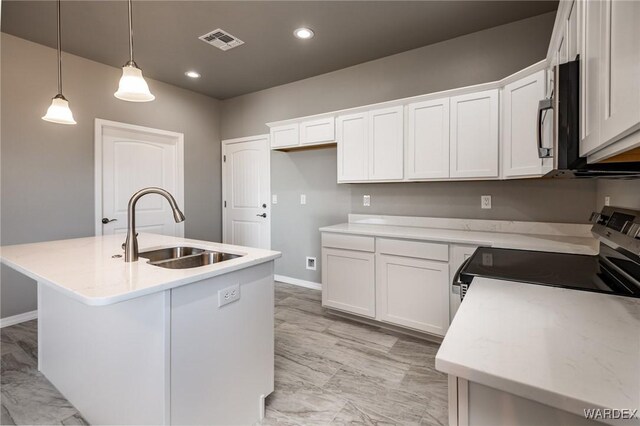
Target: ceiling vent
x: 221, y: 39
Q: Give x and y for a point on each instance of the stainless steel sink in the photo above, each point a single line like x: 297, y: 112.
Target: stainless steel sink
x: 202, y: 259
x: 169, y: 253
x: 185, y: 257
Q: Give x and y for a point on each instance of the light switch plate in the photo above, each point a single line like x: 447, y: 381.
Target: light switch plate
x: 228, y: 295
x: 607, y: 201
x: 303, y: 199
x: 366, y: 200
x: 274, y: 199
x: 485, y: 201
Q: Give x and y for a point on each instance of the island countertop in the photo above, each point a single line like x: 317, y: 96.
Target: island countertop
x: 85, y: 269
x: 565, y: 348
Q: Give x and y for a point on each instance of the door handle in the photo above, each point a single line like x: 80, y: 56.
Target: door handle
x: 262, y: 215
x: 105, y: 220
x: 543, y: 105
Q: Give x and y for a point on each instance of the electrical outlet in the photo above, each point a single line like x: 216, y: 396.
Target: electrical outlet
x: 303, y: 199
x: 228, y: 295
x: 607, y: 201
x: 485, y: 201
x: 366, y: 200
x: 311, y: 263
x: 274, y: 199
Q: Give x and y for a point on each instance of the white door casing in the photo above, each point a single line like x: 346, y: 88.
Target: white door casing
x: 246, y: 191
x: 128, y: 158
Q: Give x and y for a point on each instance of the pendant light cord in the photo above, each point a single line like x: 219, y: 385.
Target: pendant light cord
x: 130, y: 33
x: 59, y: 54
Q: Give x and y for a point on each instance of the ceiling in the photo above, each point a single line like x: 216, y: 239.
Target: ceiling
x: 166, y: 34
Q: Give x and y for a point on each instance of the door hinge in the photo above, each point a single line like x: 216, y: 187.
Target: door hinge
x: 225, y: 204
x: 224, y: 158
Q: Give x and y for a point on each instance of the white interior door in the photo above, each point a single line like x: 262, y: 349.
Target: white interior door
x: 129, y: 158
x: 246, y: 189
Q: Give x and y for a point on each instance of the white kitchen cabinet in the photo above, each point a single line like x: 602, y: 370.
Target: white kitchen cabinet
x: 474, y: 135
x: 348, y: 281
x: 590, y: 66
x: 519, y: 126
x: 285, y: 136
x: 316, y: 132
x: 620, y: 69
x: 572, y: 33
x: 413, y: 293
x: 386, y: 142
x: 459, y: 254
x: 427, y: 146
x: 353, y: 147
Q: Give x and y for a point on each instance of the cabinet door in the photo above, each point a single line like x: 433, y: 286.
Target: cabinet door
x: 318, y: 131
x: 572, y: 35
x: 474, y: 135
x: 386, y: 142
x: 413, y: 293
x: 427, y: 149
x: 620, y: 71
x: 285, y: 136
x: 459, y: 254
x: 590, y: 76
x: 352, y: 137
x: 519, y: 126
x: 348, y: 281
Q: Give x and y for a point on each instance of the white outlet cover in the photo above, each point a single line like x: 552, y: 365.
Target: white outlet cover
x: 228, y: 295
x: 485, y: 201
x: 311, y: 263
x: 274, y: 199
x: 303, y: 199
x: 607, y: 201
x: 366, y: 200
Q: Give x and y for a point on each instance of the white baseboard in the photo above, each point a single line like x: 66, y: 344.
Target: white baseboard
x: 17, y: 319
x: 298, y: 282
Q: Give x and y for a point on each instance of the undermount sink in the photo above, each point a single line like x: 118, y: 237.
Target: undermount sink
x: 169, y: 253
x: 185, y: 257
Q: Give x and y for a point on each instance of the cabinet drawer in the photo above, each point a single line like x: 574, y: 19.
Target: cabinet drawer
x: 348, y: 242
x: 419, y: 249
x: 318, y: 131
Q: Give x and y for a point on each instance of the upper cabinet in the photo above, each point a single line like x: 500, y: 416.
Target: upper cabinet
x: 474, y: 135
x: 353, y: 147
x: 427, y: 148
x: 386, y: 142
x: 370, y: 145
x: 519, y: 109
x: 285, y: 136
x: 610, y: 70
x: 302, y: 134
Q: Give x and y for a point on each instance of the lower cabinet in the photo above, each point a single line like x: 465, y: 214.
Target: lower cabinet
x: 413, y: 293
x: 348, y: 281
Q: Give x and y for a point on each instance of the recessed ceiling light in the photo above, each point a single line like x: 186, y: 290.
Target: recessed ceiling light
x: 192, y: 74
x: 304, y: 33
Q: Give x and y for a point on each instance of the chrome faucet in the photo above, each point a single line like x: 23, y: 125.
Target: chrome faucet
x: 131, y: 243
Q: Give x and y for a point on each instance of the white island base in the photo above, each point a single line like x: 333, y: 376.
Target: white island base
x: 169, y: 357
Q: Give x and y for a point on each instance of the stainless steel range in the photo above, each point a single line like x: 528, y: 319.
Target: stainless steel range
x: 615, y: 270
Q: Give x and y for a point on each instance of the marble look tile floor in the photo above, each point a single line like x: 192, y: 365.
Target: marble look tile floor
x: 329, y: 370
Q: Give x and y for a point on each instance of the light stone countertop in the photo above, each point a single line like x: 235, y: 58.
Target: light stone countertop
x: 565, y: 348
x: 84, y: 269
x: 523, y: 241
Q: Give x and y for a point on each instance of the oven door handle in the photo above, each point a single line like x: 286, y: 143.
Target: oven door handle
x: 543, y: 105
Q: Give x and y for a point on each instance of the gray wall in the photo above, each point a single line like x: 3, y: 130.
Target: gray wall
x: 475, y: 58
x: 47, y: 169
x: 622, y: 193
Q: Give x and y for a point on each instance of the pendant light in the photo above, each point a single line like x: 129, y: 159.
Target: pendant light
x: 59, y: 111
x: 132, y: 86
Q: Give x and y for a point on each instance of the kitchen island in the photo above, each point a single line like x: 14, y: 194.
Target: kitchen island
x: 137, y: 343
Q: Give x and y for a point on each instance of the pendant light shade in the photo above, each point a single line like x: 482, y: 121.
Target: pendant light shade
x: 59, y: 111
x: 132, y: 87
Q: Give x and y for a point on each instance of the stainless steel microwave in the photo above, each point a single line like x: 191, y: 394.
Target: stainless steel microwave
x: 563, y: 108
